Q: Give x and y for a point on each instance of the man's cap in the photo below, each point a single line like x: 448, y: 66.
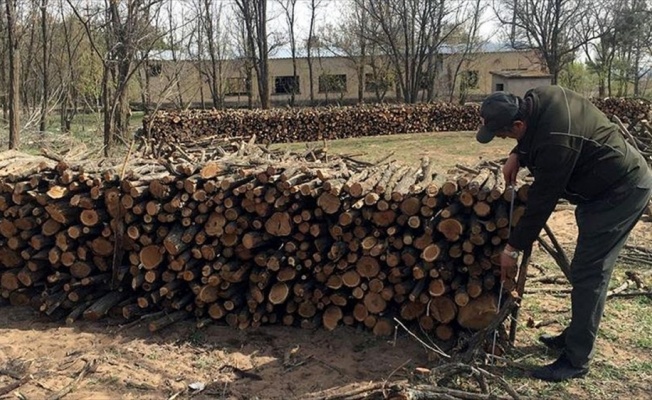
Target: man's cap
x: 497, y: 112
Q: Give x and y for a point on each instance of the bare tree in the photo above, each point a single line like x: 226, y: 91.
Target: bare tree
x: 245, y: 59
x: 128, y: 29
x: 471, y: 43
x: 4, y: 47
x: 620, y: 56
x: 14, y: 74
x: 289, y: 10
x: 72, y: 70
x: 213, y: 41
x: 253, y: 13
x: 174, y: 43
x: 350, y: 39
x: 310, y: 42
x: 601, y: 52
x: 29, y: 88
x: 551, y: 27
x: 45, y: 37
x: 633, y: 38
x: 410, y: 32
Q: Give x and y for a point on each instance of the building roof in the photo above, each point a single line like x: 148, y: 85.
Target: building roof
x: 521, y: 74
x: 486, y: 47
x: 284, y: 52
x: 446, y: 49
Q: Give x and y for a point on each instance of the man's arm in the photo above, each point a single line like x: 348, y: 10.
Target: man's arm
x: 553, y: 166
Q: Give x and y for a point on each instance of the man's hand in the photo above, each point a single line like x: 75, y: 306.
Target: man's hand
x: 508, y: 267
x: 510, y: 169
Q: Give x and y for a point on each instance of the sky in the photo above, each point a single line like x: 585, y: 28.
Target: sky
x: 331, y: 11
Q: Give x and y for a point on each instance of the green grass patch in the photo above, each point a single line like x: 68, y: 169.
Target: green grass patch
x: 445, y: 149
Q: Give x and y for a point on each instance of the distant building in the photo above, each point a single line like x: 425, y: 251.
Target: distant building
x: 518, y: 82
x: 461, y: 76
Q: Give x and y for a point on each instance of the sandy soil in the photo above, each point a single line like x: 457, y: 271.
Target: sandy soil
x: 268, y: 363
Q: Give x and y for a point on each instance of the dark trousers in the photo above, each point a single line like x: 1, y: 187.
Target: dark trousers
x: 604, y: 226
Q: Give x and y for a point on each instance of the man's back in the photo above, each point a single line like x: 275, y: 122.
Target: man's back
x: 563, y: 123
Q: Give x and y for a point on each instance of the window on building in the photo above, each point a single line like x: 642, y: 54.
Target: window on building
x: 500, y: 87
x: 153, y: 69
x: 286, y: 85
x: 332, y: 83
x: 237, y: 86
x: 470, y: 79
x: 376, y: 83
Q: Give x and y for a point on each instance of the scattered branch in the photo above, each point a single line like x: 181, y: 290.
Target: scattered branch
x: 89, y: 367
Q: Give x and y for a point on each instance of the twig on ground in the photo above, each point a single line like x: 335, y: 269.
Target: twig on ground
x: 90, y: 367
x: 553, y: 279
x: 634, y: 294
x: 511, y: 363
x: 396, y: 369
x: 424, y: 392
x: 538, y: 324
x: 351, y: 394
x: 14, y: 385
x: 434, y: 349
x: 326, y: 364
x: 619, y: 289
x: 551, y: 290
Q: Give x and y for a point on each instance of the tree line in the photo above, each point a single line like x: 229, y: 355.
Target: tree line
x: 62, y: 57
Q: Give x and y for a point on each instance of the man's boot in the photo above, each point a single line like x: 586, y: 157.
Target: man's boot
x: 559, y: 371
x: 554, y: 342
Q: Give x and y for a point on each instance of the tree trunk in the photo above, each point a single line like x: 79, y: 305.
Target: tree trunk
x: 14, y: 77
x: 46, y: 76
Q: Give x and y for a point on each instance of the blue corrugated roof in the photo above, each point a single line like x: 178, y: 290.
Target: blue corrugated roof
x: 285, y: 52
x: 489, y: 47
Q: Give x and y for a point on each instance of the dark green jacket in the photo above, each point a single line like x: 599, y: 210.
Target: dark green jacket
x: 574, y: 152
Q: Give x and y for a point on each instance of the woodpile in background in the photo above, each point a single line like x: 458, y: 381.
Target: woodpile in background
x: 639, y: 134
x: 627, y: 109
x: 287, y: 125
x: 250, y: 237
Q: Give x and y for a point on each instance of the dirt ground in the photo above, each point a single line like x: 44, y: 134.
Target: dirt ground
x: 267, y: 363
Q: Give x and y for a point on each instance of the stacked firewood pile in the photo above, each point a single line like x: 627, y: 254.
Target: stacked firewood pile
x: 627, y: 109
x: 312, y: 124
x: 639, y: 134
x: 255, y: 237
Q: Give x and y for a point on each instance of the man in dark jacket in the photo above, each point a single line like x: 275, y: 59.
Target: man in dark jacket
x: 574, y: 152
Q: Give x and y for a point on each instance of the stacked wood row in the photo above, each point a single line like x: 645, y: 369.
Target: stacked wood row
x: 253, y: 238
x: 285, y: 125
x: 310, y: 124
x: 625, y: 108
x: 639, y: 134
